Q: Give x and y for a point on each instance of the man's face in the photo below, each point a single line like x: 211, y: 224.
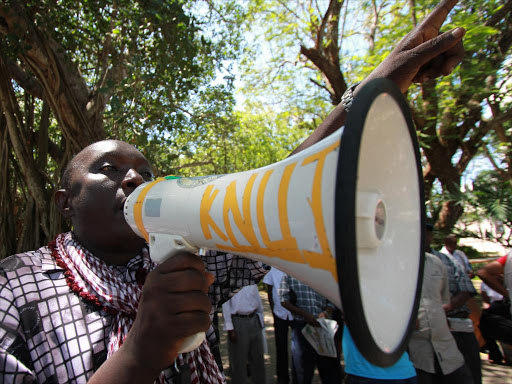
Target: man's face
x: 105, y: 173
x: 450, y: 244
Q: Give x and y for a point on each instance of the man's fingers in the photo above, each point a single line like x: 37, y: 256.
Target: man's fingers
x: 181, y: 261
x: 437, y: 17
x: 437, y: 46
x: 187, y: 302
x: 183, y: 281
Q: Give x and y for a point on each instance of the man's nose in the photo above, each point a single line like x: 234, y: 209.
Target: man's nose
x: 131, y: 180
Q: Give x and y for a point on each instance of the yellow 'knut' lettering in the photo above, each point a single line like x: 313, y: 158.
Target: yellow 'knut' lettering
x: 244, y: 223
x: 204, y: 214
x: 324, y: 259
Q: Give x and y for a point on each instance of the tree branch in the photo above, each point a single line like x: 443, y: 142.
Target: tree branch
x: 28, y: 82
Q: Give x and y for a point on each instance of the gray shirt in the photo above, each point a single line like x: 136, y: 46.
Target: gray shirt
x: 433, y: 336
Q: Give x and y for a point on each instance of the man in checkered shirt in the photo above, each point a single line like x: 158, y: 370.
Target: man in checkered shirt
x: 52, y: 330
x: 307, y: 306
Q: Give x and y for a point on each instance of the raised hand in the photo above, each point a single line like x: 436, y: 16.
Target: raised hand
x: 424, y: 53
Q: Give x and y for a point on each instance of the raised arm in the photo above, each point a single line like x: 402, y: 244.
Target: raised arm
x: 490, y: 275
x: 423, y: 54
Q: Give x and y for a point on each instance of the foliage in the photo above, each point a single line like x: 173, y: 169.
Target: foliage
x: 154, y: 73
x: 458, y: 118
x: 489, y: 198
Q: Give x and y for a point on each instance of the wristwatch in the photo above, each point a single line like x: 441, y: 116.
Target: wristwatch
x: 348, y: 96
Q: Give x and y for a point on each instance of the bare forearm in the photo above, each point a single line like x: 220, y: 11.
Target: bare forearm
x: 334, y: 121
x: 121, y: 368
x: 493, y: 282
x: 270, y: 296
x: 294, y: 309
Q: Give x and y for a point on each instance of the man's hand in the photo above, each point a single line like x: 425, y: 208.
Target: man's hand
x: 421, y: 55
x: 173, y: 306
x: 424, y: 53
x: 310, y: 319
x: 232, y: 335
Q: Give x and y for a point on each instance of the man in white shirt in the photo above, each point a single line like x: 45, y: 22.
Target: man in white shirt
x: 243, y: 319
x: 282, y: 321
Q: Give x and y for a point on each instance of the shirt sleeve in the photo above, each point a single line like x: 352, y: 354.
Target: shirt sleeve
x: 284, y: 289
x: 259, y: 311
x: 464, y: 283
x: 445, y: 287
x: 267, y: 279
x: 467, y: 264
x: 226, y: 314
x: 231, y: 273
x: 459, y: 280
x: 15, y: 363
x: 502, y: 260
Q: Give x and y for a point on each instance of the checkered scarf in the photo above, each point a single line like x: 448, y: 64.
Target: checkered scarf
x: 99, y: 283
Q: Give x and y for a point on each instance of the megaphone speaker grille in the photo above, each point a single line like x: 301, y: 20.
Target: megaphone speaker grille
x: 379, y: 222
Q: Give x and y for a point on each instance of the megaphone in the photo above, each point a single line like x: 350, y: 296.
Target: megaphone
x: 345, y: 217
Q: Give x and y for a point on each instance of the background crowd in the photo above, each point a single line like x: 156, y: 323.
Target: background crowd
x: 463, y: 313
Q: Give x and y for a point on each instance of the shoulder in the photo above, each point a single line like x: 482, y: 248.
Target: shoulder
x: 434, y: 260
x: 22, y: 267
x: 29, y: 259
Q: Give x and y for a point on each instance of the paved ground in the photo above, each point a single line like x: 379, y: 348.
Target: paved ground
x: 492, y: 374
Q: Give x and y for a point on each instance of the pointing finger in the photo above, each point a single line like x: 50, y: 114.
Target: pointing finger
x: 437, y: 46
x: 437, y: 17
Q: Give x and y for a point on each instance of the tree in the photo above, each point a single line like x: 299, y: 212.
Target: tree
x: 488, y: 198
x: 72, y: 73
x: 456, y: 117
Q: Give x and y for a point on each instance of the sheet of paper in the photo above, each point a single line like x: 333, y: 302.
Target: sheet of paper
x: 322, y: 338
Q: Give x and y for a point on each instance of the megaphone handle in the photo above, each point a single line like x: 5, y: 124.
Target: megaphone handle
x: 194, y: 341
x: 161, y: 247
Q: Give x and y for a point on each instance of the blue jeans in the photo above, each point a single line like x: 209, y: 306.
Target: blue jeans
x: 305, y: 359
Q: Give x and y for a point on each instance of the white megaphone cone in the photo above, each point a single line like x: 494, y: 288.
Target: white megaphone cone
x: 345, y: 216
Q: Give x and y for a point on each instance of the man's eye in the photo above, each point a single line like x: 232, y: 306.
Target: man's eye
x: 108, y: 168
x: 147, y: 175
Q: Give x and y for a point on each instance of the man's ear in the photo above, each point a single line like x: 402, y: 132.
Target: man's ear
x: 63, y: 201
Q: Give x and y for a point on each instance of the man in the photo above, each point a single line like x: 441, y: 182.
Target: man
x: 282, y: 321
x: 68, y: 307
x: 450, y: 248
x: 457, y: 312
x: 243, y: 319
x: 307, y: 306
x: 94, y: 292
x: 432, y: 347
x: 496, y: 321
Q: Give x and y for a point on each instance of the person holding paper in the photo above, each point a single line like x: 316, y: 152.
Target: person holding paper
x: 307, y: 306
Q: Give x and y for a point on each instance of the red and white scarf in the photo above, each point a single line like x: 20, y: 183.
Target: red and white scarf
x: 99, y: 283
